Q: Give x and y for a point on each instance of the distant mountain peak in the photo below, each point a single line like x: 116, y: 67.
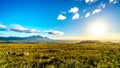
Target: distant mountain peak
x: 34, y: 38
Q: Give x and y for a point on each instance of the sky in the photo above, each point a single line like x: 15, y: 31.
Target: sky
x: 61, y: 19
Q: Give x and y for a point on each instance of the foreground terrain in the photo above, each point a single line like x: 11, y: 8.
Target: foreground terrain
x: 60, y: 55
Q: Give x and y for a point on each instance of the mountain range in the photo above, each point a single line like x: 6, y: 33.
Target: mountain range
x: 36, y: 38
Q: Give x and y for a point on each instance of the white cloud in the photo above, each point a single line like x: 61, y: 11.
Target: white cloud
x: 19, y: 28
x: 61, y: 17
x: 54, y: 32
x: 113, y: 1
x: 102, y: 5
x: 87, y: 14
x: 74, y: 10
x: 90, y: 1
x: 32, y: 31
x: 2, y: 26
x: 76, y: 16
x: 96, y: 11
x: 99, y: 9
x: 86, y: 1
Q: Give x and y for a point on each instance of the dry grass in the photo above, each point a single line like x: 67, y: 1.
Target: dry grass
x: 51, y: 55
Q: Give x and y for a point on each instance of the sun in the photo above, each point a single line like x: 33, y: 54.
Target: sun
x: 97, y: 29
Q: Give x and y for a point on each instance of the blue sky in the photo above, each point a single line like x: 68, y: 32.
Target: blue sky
x: 59, y: 19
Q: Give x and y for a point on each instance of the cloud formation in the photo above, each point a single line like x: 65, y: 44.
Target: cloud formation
x: 19, y: 28
x: 3, y: 27
x: 99, y: 9
x: 102, y: 5
x: 76, y: 16
x: 87, y: 14
x: 54, y: 32
x: 61, y: 17
x: 113, y: 1
x: 96, y: 11
x: 90, y: 1
x: 73, y: 10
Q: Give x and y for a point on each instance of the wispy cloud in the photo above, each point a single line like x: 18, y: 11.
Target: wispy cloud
x: 76, y: 16
x: 99, y: 9
x: 73, y: 10
x: 102, y: 5
x: 32, y: 31
x: 87, y: 14
x: 96, y: 11
x: 54, y: 32
x: 61, y: 17
x: 19, y: 28
x: 90, y: 1
x: 113, y: 1
x: 3, y: 27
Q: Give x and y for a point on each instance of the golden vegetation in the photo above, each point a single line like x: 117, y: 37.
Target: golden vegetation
x: 60, y: 55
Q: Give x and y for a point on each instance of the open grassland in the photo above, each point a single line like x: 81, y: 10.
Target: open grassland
x: 60, y: 55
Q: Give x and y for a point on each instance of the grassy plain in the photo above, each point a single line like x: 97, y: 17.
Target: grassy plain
x: 60, y: 55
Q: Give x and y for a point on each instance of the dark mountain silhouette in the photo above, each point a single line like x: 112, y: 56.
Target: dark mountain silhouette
x: 26, y: 39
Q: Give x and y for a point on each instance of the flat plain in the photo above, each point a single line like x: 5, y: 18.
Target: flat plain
x: 60, y: 55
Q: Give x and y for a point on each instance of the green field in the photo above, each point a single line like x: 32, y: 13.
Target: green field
x: 60, y: 55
